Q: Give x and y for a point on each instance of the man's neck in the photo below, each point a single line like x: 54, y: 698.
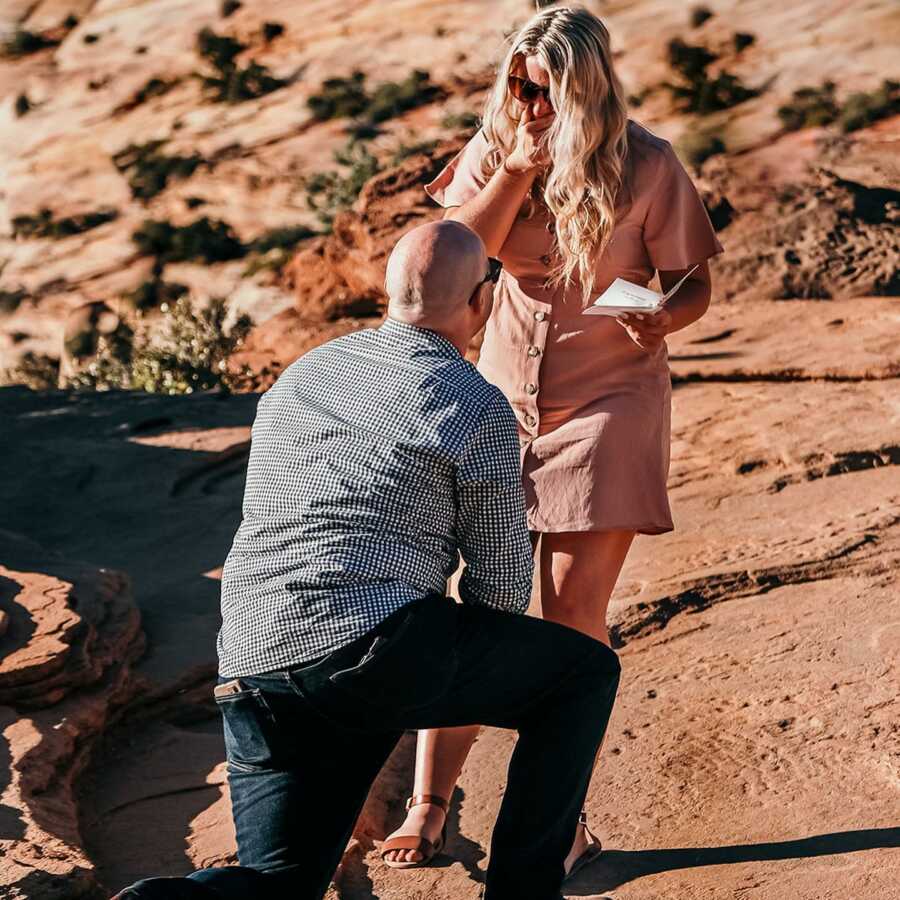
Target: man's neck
x: 457, y: 340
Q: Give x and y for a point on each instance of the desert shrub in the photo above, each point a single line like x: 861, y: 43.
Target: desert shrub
x: 22, y: 105
x: 23, y: 43
x: 272, y: 30
x: 43, y: 225
x: 405, y: 151
x: 742, y: 40
x: 697, y: 92
x: 91, y: 38
x: 391, y: 98
x: 274, y: 248
x: 189, y: 352
x: 862, y: 109
x: 154, y: 292
x: 155, y: 87
x: 699, y: 14
x: 817, y: 106
x: 810, y: 106
x: 698, y: 146
x: 285, y: 237
x: 148, y: 169
x: 228, y: 7
x: 232, y: 83
x: 11, y: 300
x: 203, y: 240
x: 39, y: 372
x: 328, y: 193
x: 464, y: 121
x: 340, y: 98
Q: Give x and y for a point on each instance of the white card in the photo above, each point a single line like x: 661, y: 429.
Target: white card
x: 625, y: 296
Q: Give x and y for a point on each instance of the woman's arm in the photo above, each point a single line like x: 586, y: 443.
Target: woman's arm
x: 691, y: 300
x: 491, y: 213
x: 685, y: 306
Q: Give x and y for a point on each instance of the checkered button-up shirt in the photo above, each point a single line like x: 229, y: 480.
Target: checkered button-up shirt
x: 377, y: 459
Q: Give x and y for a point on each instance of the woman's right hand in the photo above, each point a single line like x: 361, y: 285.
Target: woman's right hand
x: 530, y: 151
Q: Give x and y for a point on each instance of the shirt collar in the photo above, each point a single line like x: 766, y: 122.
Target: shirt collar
x: 411, y: 334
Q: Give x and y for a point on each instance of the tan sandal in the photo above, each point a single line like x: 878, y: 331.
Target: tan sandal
x: 591, y: 852
x: 421, y: 845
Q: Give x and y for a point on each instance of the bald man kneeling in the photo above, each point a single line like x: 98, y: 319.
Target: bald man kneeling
x: 377, y: 460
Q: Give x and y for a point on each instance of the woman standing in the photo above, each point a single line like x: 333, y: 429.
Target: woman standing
x: 571, y: 194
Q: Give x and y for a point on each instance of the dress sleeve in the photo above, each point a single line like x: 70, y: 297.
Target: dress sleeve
x: 461, y: 178
x: 677, y: 229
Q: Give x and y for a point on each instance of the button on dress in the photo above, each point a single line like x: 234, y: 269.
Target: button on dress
x: 593, y: 408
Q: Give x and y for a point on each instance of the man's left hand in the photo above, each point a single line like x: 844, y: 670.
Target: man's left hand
x: 647, y: 330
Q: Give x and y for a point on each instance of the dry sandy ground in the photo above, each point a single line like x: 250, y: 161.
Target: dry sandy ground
x: 754, y: 748
x: 754, y: 751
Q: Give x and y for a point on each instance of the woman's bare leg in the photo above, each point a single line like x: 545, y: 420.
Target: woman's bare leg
x: 440, y: 754
x: 578, y: 571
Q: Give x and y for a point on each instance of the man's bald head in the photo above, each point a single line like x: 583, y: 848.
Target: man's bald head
x: 432, y: 272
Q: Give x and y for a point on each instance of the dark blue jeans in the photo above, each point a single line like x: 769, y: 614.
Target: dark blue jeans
x: 304, y: 745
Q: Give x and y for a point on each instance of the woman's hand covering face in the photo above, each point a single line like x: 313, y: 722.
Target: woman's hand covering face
x: 531, y: 150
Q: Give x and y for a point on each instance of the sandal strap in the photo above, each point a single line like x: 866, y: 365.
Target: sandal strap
x: 592, y: 838
x: 408, y: 842
x: 420, y: 799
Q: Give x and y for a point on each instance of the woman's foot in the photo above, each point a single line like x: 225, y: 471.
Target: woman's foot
x: 424, y: 820
x: 585, y: 848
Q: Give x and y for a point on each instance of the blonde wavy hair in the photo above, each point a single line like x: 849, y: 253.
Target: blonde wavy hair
x: 587, y: 142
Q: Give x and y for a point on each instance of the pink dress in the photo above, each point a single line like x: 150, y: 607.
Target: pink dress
x: 593, y: 408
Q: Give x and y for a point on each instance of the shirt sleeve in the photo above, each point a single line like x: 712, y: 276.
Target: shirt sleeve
x: 677, y: 229
x: 461, y: 178
x: 492, y: 528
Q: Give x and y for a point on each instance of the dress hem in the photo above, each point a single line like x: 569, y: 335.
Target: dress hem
x: 591, y: 526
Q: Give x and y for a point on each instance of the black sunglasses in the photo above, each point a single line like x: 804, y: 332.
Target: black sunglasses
x: 495, y: 267
x: 526, y: 90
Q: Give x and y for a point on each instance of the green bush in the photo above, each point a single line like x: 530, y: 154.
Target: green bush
x: 39, y: 372
x: 862, y: 109
x: 464, y: 121
x: 154, y: 292
x: 699, y: 14
x: 188, y: 353
x: 285, y: 237
x: 11, y: 300
x: 231, y: 83
x: 742, y: 40
x: 155, y: 87
x: 810, y: 106
x: 148, y: 170
x: 817, y: 106
x: 204, y: 240
x: 697, y: 146
x: 405, y: 151
x: 340, y: 98
x: 43, y: 225
x: 272, y: 30
x: 23, y: 43
x: 697, y: 91
x: 328, y: 193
